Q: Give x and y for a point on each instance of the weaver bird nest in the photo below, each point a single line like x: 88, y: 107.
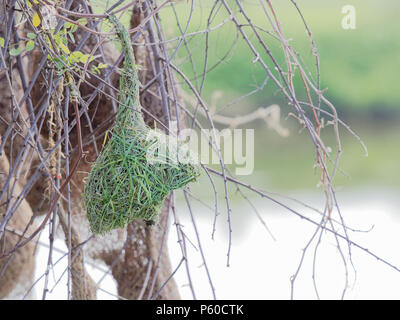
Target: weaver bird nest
x: 137, y: 169
x: 125, y: 184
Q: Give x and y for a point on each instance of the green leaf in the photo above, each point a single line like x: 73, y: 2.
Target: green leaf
x: 30, y: 45
x: 82, y: 21
x: 64, y: 39
x: 57, y: 38
x: 71, y: 35
x: 16, y: 51
x: 61, y: 72
x: 74, y: 28
x: 59, y: 64
x: 77, y: 54
x: 64, y: 48
x: 31, y: 35
x: 1, y: 42
x: 95, y: 69
x: 102, y: 65
x: 84, y: 58
x: 74, y: 56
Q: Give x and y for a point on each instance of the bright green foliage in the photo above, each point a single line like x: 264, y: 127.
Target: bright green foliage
x: 359, y: 67
x: 29, y: 45
x: 65, y: 59
x: 16, y: 51
x: 18, y: 48
x: 31, y: 35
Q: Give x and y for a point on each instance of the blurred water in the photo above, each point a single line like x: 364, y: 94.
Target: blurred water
x: 261, y: 267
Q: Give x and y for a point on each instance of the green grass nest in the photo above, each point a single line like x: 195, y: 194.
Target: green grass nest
x: 123, y: 185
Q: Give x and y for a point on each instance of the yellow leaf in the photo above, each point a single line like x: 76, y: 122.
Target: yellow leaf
x: 35, y: 19
x: 36, y: 1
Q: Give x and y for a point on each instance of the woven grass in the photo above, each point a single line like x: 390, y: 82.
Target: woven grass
x: 123, y: 185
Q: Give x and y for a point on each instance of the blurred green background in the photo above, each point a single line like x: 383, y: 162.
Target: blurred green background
x: 359, y: 68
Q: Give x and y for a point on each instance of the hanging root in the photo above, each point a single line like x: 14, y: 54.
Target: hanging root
x: 55, y: 125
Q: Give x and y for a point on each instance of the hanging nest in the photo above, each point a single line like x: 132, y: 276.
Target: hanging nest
x: 125, y: 183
